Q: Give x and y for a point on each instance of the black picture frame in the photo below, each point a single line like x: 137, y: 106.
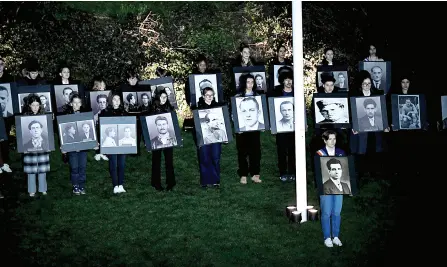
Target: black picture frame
x: 167, y: 81
x: 274, y: 104
x: 335, y: 71
x: 330, y: 98
x: 223, y: 114
x: 175, y: 126
x: 360, y: 127
x: 402, y: 124
x: 385, y: 85
x: 3, y: 133
x: 120, y: 123
x: 9, y: 107
x: 138, y: 92
x: 31, y: 89
x: 194, y: 81
x: 322, y: 175
x: 22, y: 125
x: 239, y: 126
x: 254, y: 70
x: 77, y: 120
x: 59, y: 101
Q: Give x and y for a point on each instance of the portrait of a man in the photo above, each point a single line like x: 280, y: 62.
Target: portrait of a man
x: 372, y: 118
x: 250, y: 113
x: 278, y: 69
x: 126, y: 135
x: 70, y: 133
x: 213, y: 126
x: 169, y: 88
x: 160, y: 131
x: 341, y: 80
x: 260, y: 83
x: 45, y: 103
x: 331, y: 110
x: 376, y: 75
x: 62, y: 94
x: 409, y: 112
x: 5, y: 99
x: 86, y: 131
x: 380, y: 74
x: 109, y: 135
x: 38, y: 140
x: 130, y: 101
x: 144, y: 101
x: 285, y: 114
x: 335, y: 185
x: 98, y: 101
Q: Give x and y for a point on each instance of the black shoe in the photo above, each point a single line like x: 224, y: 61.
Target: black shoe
x: 158, y: 188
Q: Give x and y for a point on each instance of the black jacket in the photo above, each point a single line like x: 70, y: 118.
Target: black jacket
x: 27, y: 81
x: 6, y: 78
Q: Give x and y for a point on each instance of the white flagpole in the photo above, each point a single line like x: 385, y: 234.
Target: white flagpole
x: 300, y: 126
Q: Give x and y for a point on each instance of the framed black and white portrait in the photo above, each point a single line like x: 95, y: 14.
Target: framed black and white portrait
x: 198, y: 82
x: 250, y: 113
x: 369, y: 113
x: 23, y: 92
x: 277, y: 70
x: 130, y: 100
x: 3, y: 133
x: 118, y: 135
x: 34, y: 133
x: 62, y: 95
x: 144, y: 100
x: 258, y: 72
x: 444, y: 111
x: 380, y: 74
x: 339, y: 73
x: 161, y: 131
x: 212, y: 125
x: 164, y: 83
x: 6, y: 99
x: 99, y: 100
x: 335, y: 175
x: 77, y: 132
x: 409, y: 112
x: 331, y: 111
x: 281, y: 110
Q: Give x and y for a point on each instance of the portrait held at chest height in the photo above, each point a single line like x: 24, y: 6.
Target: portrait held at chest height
x: 99, y: 100
x: 77, y: 132
x: 161, y: 131
x: 23, y: 92
x: 369, y: 113
x: 281, y: 110
x: 34, y: 133
x: 257, y: 71
x: 409, y: 112
x: 212, y: 126
x: 118, y: 135
x: 331, y: 110
x: 380, y: 74
x: 277, y: 70
x: 339, y: 73
x: 335, y: 175
x: 198, y: 82
x: 164, y: 83
x: 250, y: 113
x: 6, y: 99
x: 62, y: 95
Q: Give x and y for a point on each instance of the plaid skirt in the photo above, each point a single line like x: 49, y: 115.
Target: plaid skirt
x: 36, y: 162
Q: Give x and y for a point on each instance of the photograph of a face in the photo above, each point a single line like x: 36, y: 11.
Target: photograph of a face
x: 45, y: 99
x: 130, y: 101
x: 335, y: 176
x: 6, y: 100
x: 369, y: 114
x: 259, y: 82
x: 250, y: 113
x: 144, y: 100
x: 77, y: 132
x: 99, y: 100
x: 213, y: 127
x: 331, y: 110
x: 278, y: 69
x: 62, y: 95
x: 169, y: 88
x: 284, y: 114
x: 409, y: 112
x: 203, y: 81
x: 379, y: 75
x: 35, y: 133
x: 161, y: 131
x: 341, y: 79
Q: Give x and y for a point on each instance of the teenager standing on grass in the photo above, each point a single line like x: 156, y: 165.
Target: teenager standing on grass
x: 36, y: 165
x: 99, y: 85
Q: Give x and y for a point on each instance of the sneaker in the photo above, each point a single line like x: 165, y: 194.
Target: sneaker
x: 32, y: 194
x: 1, y: 195
x: 328, y: 243
x: 98, y: 157
x: 244, y: 180
x: 121, y: 189
x: 337, y: 241
x: 82, y: 191
x: 104, y: 157
x: 292, y: 178
x: 76, y: 190
x: 256, y: 179
x: 44, y: 193
x: 116, y: 190
x: 1, y: 171
x: 283, y: 178
x: 6, y: 168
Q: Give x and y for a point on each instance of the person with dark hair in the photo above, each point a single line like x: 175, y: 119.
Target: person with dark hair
x: 33, y: 76
x: 4, y: 99
x: 371, y: 121
x: 250, y: 111
x: 70, y: 134
x: 280, y: 58
x: 160, y: 72
x: 5, y: 77
x: 244, y: 59
x: 328, y: 57
x: 64, y: 76
x: 99, y: 84
x: 44, y: 101
x: 341, y: 82
x: 334, y: 186
x: 331, y: 205
x: 36, y: 164
x: 131, y: 105
x: 377, y: 78
x: 164, y: 141
x: 145, y: 103
x: 328, y: 81
x: 373, y: 54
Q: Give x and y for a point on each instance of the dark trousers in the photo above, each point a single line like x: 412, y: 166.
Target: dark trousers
x: 249, y: 153
x: 117, y: 164
x: 4, y: 145
x: 209, y: 163
x: 285, y: 147
x: 78, y: 165
x: 169, y: 165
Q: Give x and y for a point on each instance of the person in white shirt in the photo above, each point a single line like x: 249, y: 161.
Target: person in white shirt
x: 249, y: 111
x: 127, y: 140
x: 164, y: 138
x: 4, y: 99
x: 286, y: 123
x: 109, y: 141
x: 87, y: 132
x: 371, y: 121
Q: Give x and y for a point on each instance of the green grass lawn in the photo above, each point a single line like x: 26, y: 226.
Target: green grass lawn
x: 236, y: 225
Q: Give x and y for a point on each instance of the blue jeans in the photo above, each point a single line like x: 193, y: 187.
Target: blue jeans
x: 42, y: 177
x: 330, y: 213
x: 78, y: 164
x: 116, y: 168
x: 209, y: 163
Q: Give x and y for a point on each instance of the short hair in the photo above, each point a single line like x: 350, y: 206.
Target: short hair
x: 242, y: 46
x: 206, y: 89
x: 86, y: 123
x: 129, y: 97
x: 74, y: 95
x: 328, y: 49
x: 68, y: 127
x: 43, y: 96
x: 249, y: 98
x: 369, y: 101
x: 67, y: 88
x: 161, y: 118
x: 259, y: 75
x: 284, y: 103
x: 326, y: 134
x: 322, y: 103
x: 207, y: 117
x: 100, y: 96
x: 342, y: 74
x: 34, y: 122
x: 2, y: 88
x: 109, y: 130
x: 332, y: 161
x: 127, y: 127
x: 131, y: 74
x: 144, y: 94
x: 201, y: 58
x: 376, y: 67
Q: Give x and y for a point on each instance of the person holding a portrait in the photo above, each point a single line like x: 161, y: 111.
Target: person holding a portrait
x: 99, y: 84
x: 33, y: 76
x: 373, y: 54
x: 250, y: 111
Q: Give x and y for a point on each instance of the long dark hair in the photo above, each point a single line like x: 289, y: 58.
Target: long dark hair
x: 31, y: 98
x: 243, y: 82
